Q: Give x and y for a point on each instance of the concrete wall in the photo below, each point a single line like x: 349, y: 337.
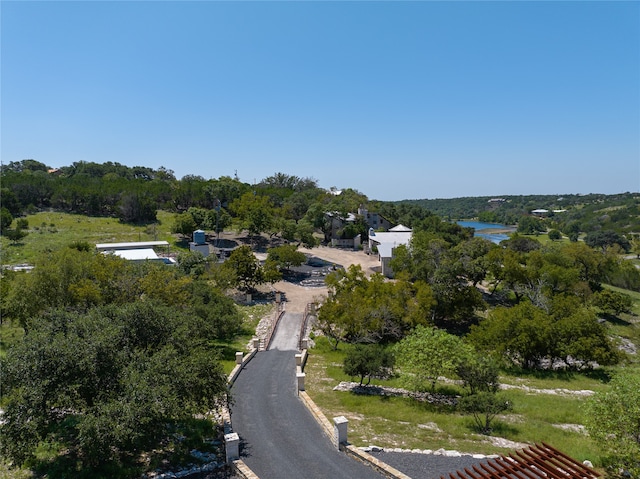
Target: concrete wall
x: 202, y: 248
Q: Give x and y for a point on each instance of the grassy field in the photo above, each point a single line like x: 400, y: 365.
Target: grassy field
x: 49, y: 231
x: 409, y: 424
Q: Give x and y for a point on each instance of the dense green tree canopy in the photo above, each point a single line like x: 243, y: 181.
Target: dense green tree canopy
x: 286, y: 256
x: 223, y: 191
x: 184, y: 224
x: 255, y: 212
x: 6, y: 218
x: 570, y: 213
x: 133, y: 193
x: 526, y: 335
x: 613, y: 420
x: 370, y: 310
x: 108, y: 385
x: 72, y: 279
x: 555, y: 235
x: 79, y: 280
x: 428, y: 353
x: 450, y: 271
x: 530, y: 225
x: 244, y: 268
x: 606, y: 239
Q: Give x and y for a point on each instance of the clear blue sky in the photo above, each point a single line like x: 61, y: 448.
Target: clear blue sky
x: 395, y: 99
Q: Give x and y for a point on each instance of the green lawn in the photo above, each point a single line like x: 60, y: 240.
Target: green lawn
x: 543, y: 238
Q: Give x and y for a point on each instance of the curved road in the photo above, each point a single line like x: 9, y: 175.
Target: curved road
x: 279, y: 439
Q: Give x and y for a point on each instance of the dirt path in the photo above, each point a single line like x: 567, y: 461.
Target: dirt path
x: 299, y: 296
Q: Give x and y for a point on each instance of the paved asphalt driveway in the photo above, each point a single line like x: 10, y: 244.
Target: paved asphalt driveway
x: 279, y: 439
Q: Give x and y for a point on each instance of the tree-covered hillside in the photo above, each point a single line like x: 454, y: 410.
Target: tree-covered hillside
x: 134, y: 194
x: 568, y: 213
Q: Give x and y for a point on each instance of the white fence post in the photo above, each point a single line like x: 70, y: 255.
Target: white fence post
x: 300, y: 378
x: 340, y: 425
x: 232, y: 446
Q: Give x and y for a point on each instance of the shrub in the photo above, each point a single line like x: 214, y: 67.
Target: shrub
x: 368, y: 361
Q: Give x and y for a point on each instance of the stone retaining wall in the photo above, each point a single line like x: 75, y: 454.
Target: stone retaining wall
x: 331, y: 431
x: 317, y: 414
x: 374, y: 462
x: 237, y: 465
x: 242, y: 470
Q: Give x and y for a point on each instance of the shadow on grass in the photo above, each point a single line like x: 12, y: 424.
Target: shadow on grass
x: 172, y: 451
x: 70, y: 465
x: 434, y: 407
x: 225, y: 352
x: 16, y: 244
x: 182, y: 243
x: 503, y: 429
x: 616, y: 320
x: 600, y: 374
x: 603, y: 375
x: 498, y: 428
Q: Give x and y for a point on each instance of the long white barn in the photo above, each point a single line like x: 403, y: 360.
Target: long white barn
x: 135, y: 251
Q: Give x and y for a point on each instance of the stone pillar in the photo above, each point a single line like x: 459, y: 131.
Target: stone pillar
x: 239, y: 356
x: 256, y: 343
x: 278, y: 297
x: 300, y: 378
x: 232, y: 446
x: 340, y: 424
x: 248, y: 297
x: 304, y: 344
x: 298, y: 359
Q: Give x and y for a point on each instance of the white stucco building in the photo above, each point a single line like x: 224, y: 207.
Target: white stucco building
x: 386, y: 242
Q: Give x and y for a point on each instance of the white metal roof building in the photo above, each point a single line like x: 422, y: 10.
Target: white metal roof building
x: 385, y: 242
x: 138, y: 254
x: 136, y: 251
x: 132, y: 245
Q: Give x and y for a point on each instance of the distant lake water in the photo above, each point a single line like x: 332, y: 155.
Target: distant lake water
x: 488, y: 230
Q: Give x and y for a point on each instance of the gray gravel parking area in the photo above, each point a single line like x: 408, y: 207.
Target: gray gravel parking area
x: 425, y: 466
